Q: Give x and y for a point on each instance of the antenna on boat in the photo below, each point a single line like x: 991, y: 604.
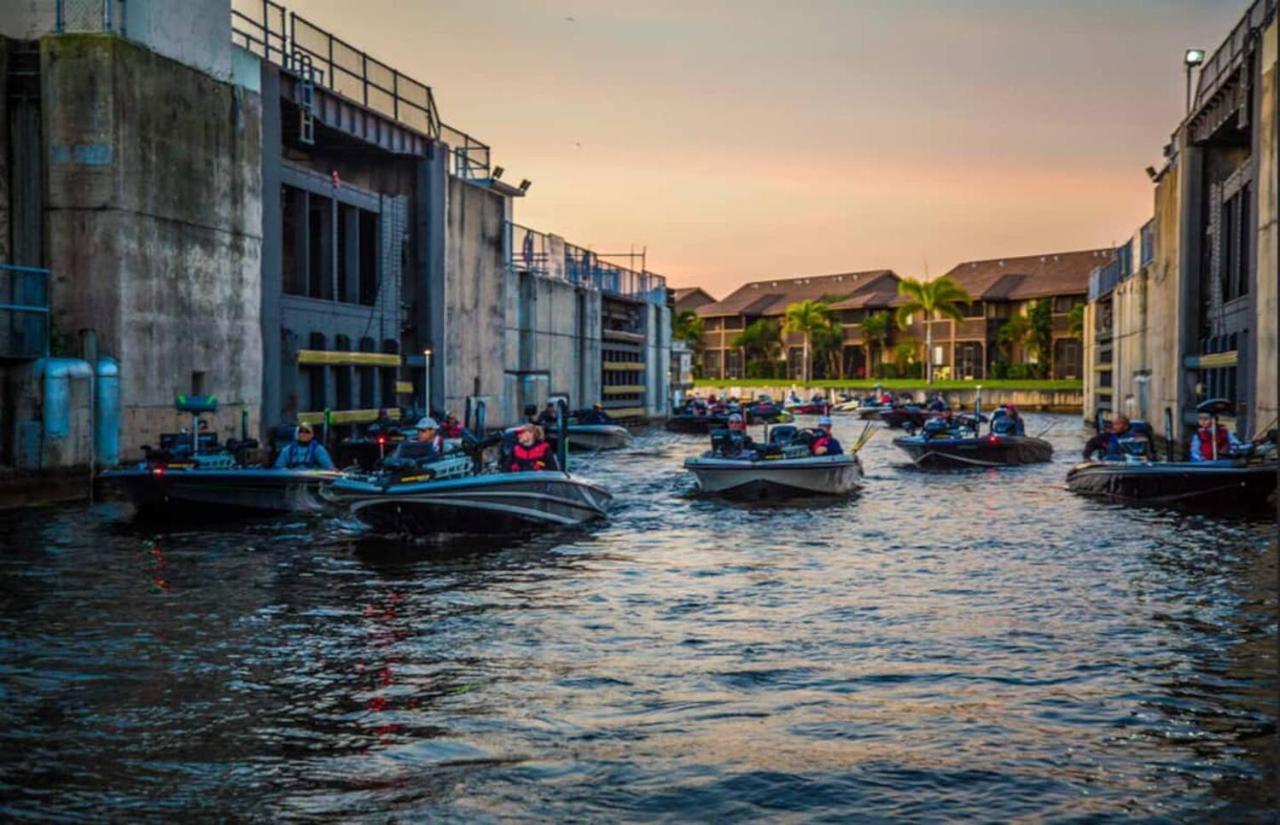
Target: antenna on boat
x: 562, y: 434
x: 1168, y: 434
x: 977, y: 413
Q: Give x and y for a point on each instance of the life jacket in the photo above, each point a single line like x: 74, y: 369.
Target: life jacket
x: 453, y: 430
x: 828, y: 441
x: 528, y: 459
x: 301, y: 458
x: 1206, y: 442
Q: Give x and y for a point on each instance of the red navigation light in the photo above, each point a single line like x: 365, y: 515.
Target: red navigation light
x: 382, y: 439
x: 157, y: 471
x: 993, y: 438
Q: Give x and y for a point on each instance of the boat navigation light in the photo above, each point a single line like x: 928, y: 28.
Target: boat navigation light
x: 157, y: 471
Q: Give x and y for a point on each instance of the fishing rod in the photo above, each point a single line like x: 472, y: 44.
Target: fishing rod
x: 1052, y: 424
x: 867, y: 434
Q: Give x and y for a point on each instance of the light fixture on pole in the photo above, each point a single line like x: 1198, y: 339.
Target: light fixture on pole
x: 1192, y: 58
x: 426, y: 382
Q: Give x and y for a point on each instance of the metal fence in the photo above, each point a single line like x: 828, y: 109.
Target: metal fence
x: 24, y: 311
x: 289, y: 40
x: 549, y: 257
x: 90, y: 16
x: 1218, y: 67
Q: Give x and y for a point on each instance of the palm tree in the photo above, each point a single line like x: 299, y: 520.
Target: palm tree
x: 875, y: 330
x: 1013, y: 333
x: 805, y: 317
x: 941, y: 296
x: 759, y: 340
x: 828, y: 343
x: 1075, y: 321
x: 688, y: 327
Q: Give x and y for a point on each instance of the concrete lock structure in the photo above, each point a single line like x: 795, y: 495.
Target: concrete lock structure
x: 240, y: 204
x: 1188, y: 309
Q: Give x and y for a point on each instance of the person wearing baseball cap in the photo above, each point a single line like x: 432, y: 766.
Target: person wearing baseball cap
x: 825, y: 443
x: 304, y: 452
x: 425, y: 446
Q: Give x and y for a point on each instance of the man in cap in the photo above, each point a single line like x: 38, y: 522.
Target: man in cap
x: 825, y: 443
x: 304, y: 452
x: 425, y: 446
x: 531, y: 452
x: 597, y: 415
x: 1212, y: 440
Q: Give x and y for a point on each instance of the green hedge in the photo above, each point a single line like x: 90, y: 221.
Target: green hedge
x: 895, y: 384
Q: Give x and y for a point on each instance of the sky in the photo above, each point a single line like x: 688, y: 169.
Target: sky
x: 736, y: 140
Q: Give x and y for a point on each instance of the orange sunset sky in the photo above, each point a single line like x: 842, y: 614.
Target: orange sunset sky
x: 738, y: 139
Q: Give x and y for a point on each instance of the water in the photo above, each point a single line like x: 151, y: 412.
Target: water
x: 976, y: 645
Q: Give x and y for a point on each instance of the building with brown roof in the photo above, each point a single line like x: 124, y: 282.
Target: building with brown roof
x: 853, y: 294
x: 689, y: 298
x: 1006, y: 287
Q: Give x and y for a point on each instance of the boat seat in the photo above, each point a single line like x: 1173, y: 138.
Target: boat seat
x: 783, y: 434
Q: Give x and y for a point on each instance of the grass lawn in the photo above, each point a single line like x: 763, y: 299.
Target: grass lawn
x: 894, y: 384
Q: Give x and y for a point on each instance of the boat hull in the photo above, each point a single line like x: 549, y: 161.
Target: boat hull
x: 175, y: 493
x: 495, y: 503
x: 597, y: 437
x: 984, y: 451
x: 764, y: 478
x: 1217, y: 486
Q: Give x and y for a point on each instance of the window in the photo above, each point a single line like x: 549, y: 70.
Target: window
x: 1234, y: 246
x: 293, y: 246
x: 939, y: 355
x: 197, y: 382
x: 713, y: 324
x: 974, y: 310
x: 369, y: 273
x: 319, y: 247
x: 1063, y: 304
x: 853, y: 316
x: 733, y: 322
x: 733, y: 364
x: 348, y: 249
x: 711, y: 362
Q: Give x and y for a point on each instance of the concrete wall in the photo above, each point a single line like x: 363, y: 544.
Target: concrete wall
x: 552, y: 343
x: 194, y: 32
x: 476, y: 293
x: 153, y: 224
x: 657, y: 360
x: 1164, y: 299
x: 1265, y: 407
x: 4, y: 151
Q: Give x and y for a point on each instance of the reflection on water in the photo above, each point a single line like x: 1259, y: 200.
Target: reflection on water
x: 979, y: 643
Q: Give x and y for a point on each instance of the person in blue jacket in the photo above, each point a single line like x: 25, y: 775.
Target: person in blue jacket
x: 304, y: 452
x: 825, y: 443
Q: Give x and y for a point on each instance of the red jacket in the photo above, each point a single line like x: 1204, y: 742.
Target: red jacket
x: 1206, y: 443
x: 534, y: 457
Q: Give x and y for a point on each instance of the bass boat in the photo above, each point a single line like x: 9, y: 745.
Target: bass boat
x: 1241, y: 482
x: 782, y: 468
x: 191, y: 475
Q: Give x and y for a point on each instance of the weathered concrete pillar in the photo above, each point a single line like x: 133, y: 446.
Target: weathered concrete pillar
x: 1266, y: 119
x: 272, y: 255
x: 1187, y: 306
x: 169, y: 275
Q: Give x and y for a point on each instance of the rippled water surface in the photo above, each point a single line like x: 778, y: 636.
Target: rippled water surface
x: 978, y: 644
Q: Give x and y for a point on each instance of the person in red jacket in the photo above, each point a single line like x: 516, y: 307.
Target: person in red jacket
x: 1202, y: 443
x: 452, y: 427
x: 531, y: 452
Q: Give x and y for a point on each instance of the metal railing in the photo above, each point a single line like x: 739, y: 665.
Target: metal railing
x: 294, y: 43
x: 1215, y: 70
x: 90, y: 16
x: 534, y: 252
x: 24, y: 311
